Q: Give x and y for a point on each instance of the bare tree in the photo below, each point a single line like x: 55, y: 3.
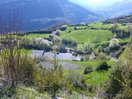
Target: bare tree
x: 15, y: 64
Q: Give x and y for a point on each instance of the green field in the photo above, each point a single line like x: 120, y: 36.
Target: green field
x: 94, y: 78
x: 36, y: 35
x: 82, y: 36
x: 100, y: 25
x: 85, y: 33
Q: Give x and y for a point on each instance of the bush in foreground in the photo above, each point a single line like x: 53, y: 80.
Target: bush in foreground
x: 88, y: 70
x: 50, y: 80
x: 119, y: 85
x: 102, y: 66
x: 76, y: 82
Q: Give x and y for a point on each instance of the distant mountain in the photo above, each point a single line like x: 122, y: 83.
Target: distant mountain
x: 38, y: 14
x: 121, y: 19
x: 117, y: 9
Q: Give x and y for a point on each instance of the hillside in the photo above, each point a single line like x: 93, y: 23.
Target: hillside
x: 47, y: 12
x: 86, y: 56
x: 121, y: 19
x: 60, y: 54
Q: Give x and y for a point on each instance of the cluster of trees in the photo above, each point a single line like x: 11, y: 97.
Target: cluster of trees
x: 86, y: 47
x: 120, y: 33
x: 112, y: 48
x: 39, y: 32
x: 69, y: 43
x: 48, y: 43
x: 49, y: 31
x: 40, y: 43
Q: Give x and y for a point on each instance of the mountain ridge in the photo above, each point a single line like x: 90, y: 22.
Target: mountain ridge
x: 118, y: 9
x: 39, y: 14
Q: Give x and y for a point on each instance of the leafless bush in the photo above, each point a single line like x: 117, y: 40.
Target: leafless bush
x: 16, y: 66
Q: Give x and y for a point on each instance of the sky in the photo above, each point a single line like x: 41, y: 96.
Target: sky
x: 95, y: 4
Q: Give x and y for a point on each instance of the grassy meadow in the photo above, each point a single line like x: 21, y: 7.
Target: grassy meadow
x: 89, y: 76
x: 84, y: 34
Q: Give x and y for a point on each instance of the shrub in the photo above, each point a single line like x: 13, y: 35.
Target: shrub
x: 88, y: 70
x: 37, y: 40
x: 63, y: 27
x: 45, y: 45
x: 76, y: 28
x: 86, y: 47
x: 57, y: 32
x: 119, y: 83
x: 76, y: 81
x: 69, y: 42
x: 7, y: 91
x: 100, y: 49
x: 26, y: 43
x: 117, y: 53
x: 38, y: 44
x: 114, y: 44
x: 102, y: 66
x: 50, y: 80
x: 20, y: 67
x: 114, y: 86
x: 55, y: 39
x: 92, y: 56
x: 62, y: 49
x: 107, y: 50
x: 27, y: 69
x: 102, y: 56
x: 114, y: 26
x: 82, y: 23
x: 92, y: 88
